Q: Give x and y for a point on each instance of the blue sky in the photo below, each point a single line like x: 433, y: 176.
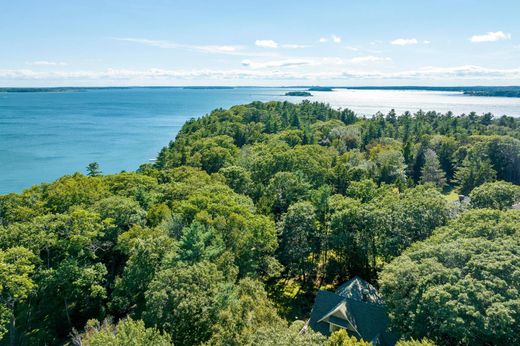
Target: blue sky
x: 160, y: 42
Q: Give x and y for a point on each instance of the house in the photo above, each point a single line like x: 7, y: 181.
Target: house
x: 516, y: 206
x: 355, y: 306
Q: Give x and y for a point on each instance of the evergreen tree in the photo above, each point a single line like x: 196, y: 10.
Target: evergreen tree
x: 431, y: 171
x: 93, y: 169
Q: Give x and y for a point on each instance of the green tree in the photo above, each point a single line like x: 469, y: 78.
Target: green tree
x: 476, y: 169
x: 413, y: 342
x: 431, y: 171
x: 496, y: 195
x: 299, y: 240
x: 183, y: 301
x: 284, y: 189
x: 93, y: 169
x: 16, y: 283
x: 125, y: 333
x: 460, y: 286
x: 246, y: 310
x: 341, y: 338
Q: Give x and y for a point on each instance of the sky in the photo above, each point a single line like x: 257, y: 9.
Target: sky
x: 265, y: 43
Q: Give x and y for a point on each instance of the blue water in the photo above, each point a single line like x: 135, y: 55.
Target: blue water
x: 46, y: 135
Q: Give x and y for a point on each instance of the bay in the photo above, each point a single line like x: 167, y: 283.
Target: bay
x: 44, y: 135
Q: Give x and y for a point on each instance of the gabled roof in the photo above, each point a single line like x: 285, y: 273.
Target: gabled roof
x: 346, y: 308
x: 358, y: 289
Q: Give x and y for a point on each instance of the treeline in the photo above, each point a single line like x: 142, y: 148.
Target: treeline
x: 225, y: 239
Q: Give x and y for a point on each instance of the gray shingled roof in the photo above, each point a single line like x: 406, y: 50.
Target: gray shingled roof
x: 366, y: 320
x: 358, y: 289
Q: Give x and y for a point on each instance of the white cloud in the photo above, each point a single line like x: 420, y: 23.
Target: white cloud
x: 336, y: 39
x: 332, y: 38
x: 218, y: 49
x: 276, y: 63
x: 368, y: 59
x: 321, y: 61
x: 266, y: 43
x: 490, y: 37
x: 426, y: 42
x: 404, y: 41
x: 46, y: 63
x: 161, y: 76
x: 351, y: 48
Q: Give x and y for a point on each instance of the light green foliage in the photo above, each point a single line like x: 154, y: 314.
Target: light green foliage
x: 460, y: 286
x: 74, y: 190
x: 250, y: 237
x: 122, y: 212
x: 146, y: 250
x: 341, y: 338
x: 496, y: 195
x: 246, y: 311
x: 402, y: 219
x: 431, y: 171
x: 279, y: 334
x: 125, y: 333
x: 183, y: 301
x: 213, y: 153
x: 390, y: 167
x: 413, y: 342
x: 178, y: 242
x: 364, y: 190
x: 16, y: 268
x: 238, y: 178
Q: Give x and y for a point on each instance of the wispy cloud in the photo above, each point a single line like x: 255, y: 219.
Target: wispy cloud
x: 321, y: 61
x: 404, y: 41
x: 274, y: 44
x: 465, y: 72
x: 266, y: 43
x: 490, y: 37
x: 332, y: 38
x: 368, y: 59
x: 46, y: 63
x: 276, y: 63
x: 218, y: 49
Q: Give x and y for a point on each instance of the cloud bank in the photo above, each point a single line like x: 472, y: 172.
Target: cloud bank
x: 465, y: 72
x: 490, y: 37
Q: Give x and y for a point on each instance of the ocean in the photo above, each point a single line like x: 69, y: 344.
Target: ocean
x: 44, y: 135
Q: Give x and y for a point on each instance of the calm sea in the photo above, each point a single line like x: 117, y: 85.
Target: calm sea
x: 46, y: 135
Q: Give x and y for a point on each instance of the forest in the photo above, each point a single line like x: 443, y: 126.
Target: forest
x: 227, y: 236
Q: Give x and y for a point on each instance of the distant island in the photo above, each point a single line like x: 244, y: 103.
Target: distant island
x: 298, y: 93
x: 208, y: 87
x: 496, y: 91
x: 318, y: 88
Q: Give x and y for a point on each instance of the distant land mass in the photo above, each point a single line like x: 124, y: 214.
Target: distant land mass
x: 208, y: 87
x: 318, y: 88
x: 497, y: 91
x: 298, y: 93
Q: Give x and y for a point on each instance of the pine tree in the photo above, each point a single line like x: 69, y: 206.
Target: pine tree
x: 431, y: 171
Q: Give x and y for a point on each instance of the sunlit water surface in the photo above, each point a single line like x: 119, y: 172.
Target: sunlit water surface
x: 46, y: 135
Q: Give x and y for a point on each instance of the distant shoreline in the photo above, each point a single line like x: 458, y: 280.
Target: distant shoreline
x: 492, y: 91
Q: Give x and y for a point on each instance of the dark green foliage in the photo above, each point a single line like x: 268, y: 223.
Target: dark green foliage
x: 188, y: 243
x: 460, y: 286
